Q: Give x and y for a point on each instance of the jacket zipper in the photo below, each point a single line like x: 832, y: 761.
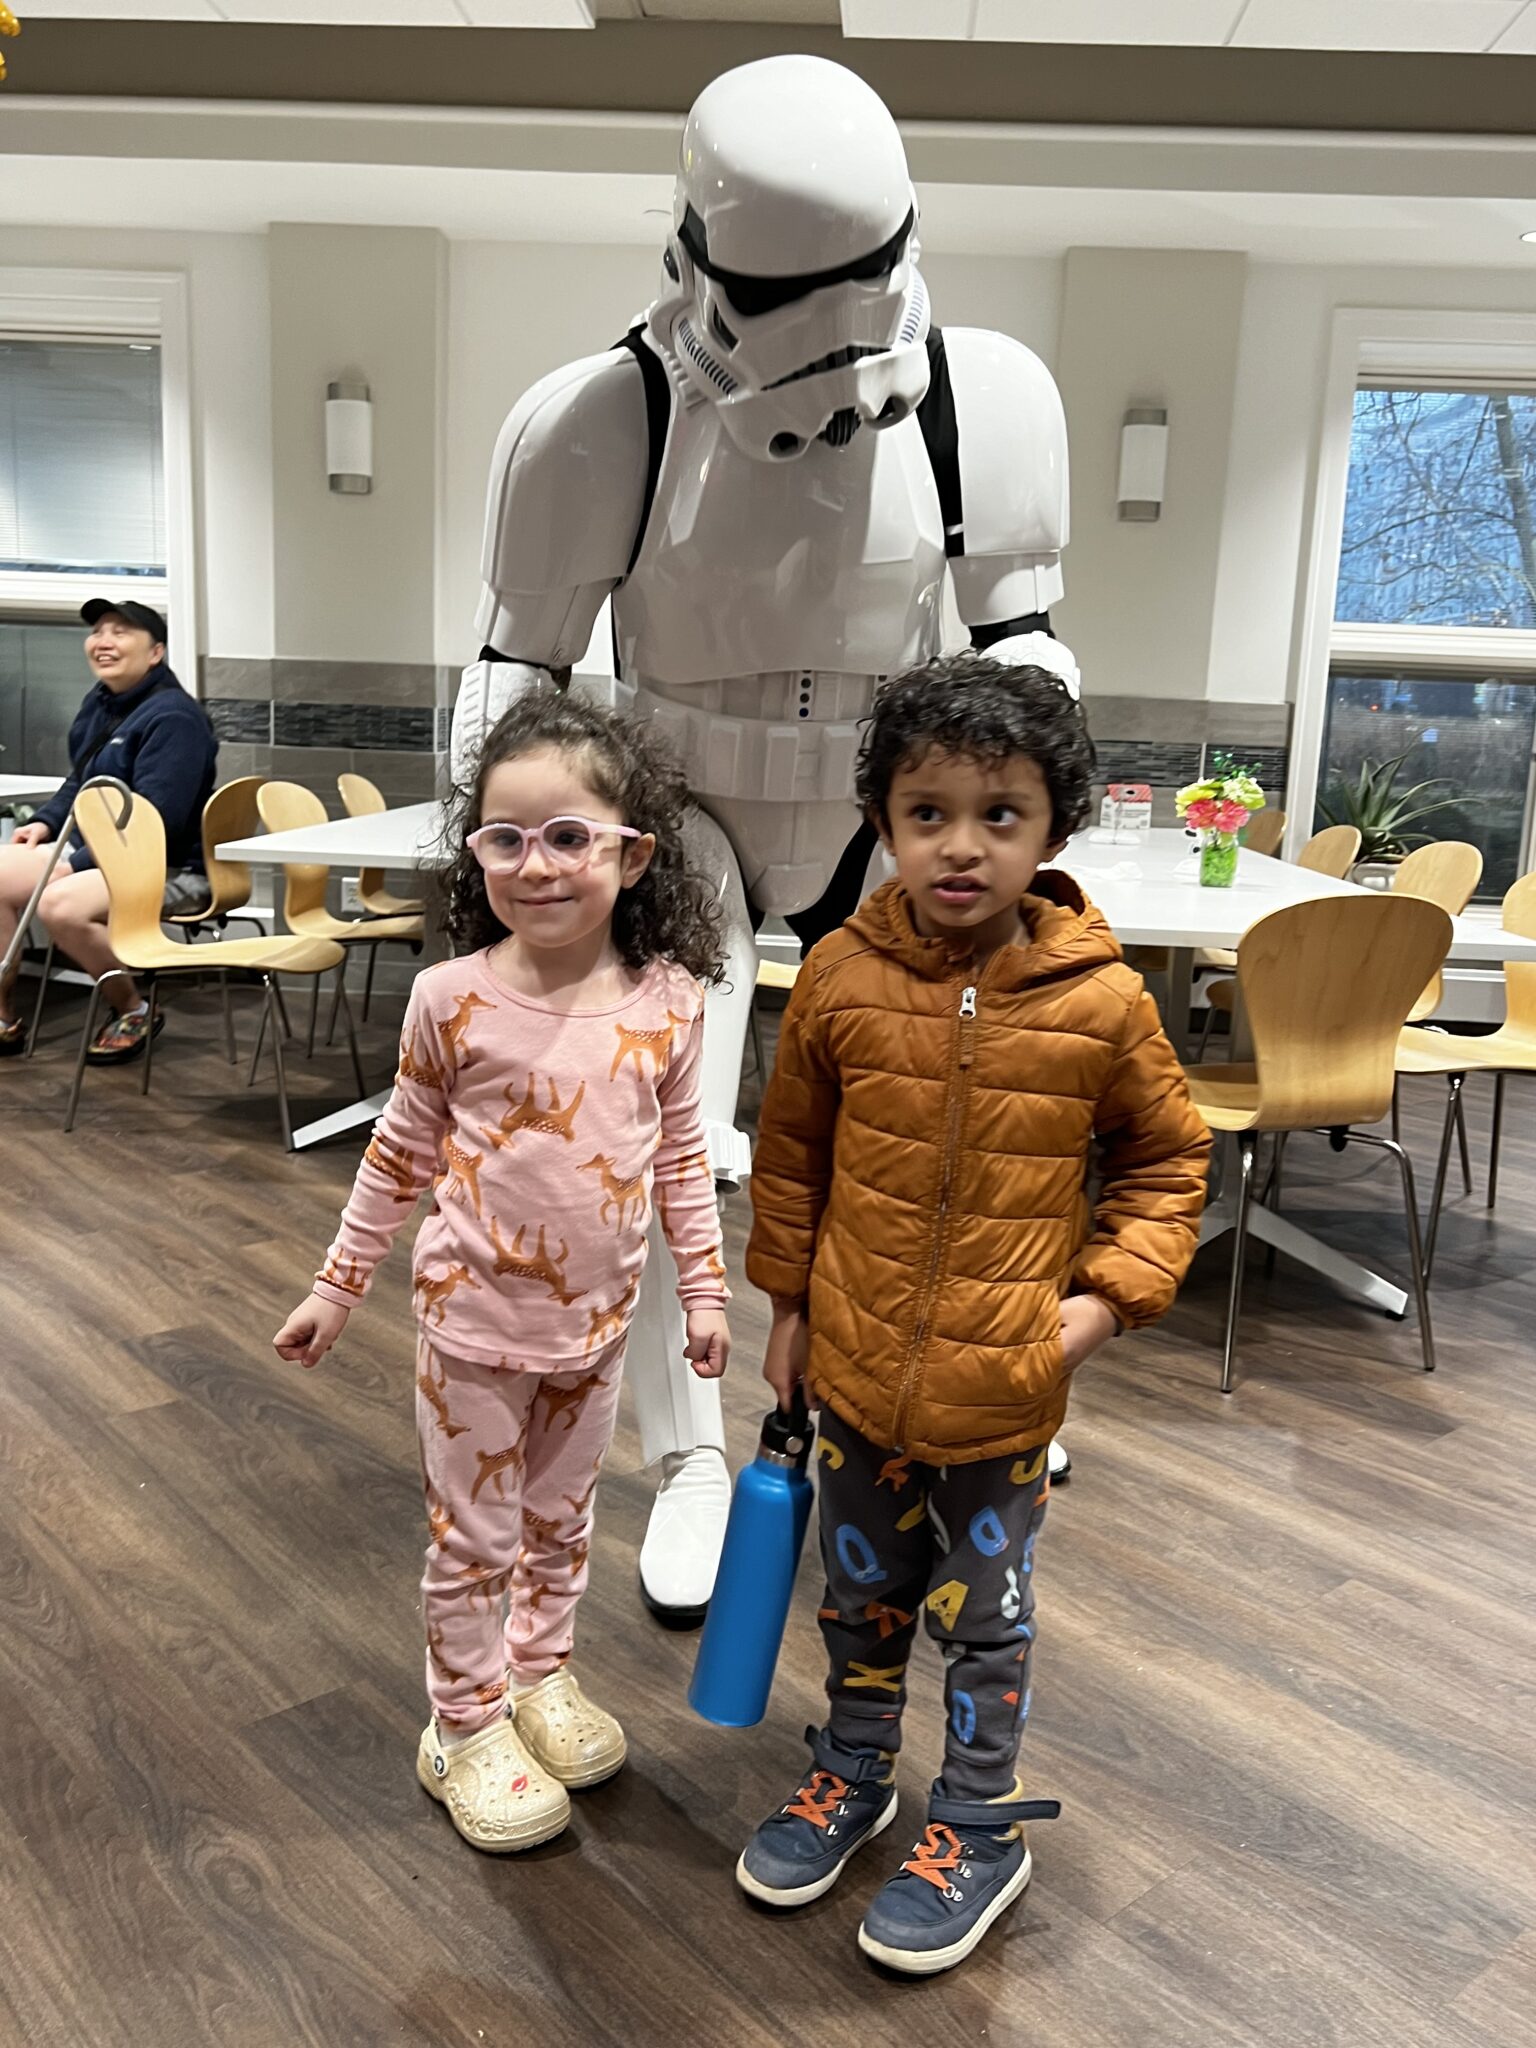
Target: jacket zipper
x: 965, y: 1047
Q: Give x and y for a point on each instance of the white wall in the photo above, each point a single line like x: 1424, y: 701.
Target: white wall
x: 1282, y: 360
x: 231, y: 404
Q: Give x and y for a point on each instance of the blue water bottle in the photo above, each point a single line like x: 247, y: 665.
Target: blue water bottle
x: 744, y: 1628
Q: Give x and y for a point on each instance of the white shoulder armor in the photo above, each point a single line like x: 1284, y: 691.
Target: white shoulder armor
x: 1013, y: 476
x: 566, y: 492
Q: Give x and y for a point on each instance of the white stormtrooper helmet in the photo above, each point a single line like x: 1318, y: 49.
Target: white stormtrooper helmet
x: 792, y: 298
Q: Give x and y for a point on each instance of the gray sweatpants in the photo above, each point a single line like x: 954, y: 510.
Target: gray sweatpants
x: 956, y: 1543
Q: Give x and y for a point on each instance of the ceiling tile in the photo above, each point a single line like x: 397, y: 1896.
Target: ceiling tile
x: 119, y: 10
x: 921, y: 20
x: 1375, y: 24
x: 1106, y: 21
x: 528, y: 13
x: 345, y: 13
x: 1520, y: 40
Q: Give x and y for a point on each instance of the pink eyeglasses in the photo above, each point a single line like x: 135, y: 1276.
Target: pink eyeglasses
x: 567, y: 843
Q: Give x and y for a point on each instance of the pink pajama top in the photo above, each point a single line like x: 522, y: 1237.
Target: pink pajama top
x: 546, y: 1137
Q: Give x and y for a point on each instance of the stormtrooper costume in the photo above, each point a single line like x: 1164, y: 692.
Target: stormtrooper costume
x: 783, y: 478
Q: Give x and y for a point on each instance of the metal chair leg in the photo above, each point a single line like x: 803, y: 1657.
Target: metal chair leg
x: 1466, y: 1154
x: 42, y: 997
x: 261, y: 1028
x: 229, y: 1020
x: 314, y: 1015
x: 373, y: 954
x: 149, y: 1039
x: 277, y: 1060
x: 1454, y: 1083
x: 341, y: 975
x: 85, y: 1039
x: 1248, y: 1146
x: 346, y: 1012
x: 1206, y: 1030
x: 1498, y: 1138
x: 282, y: 1007
x: 1415, y: 1240
x: 1397, y: 1111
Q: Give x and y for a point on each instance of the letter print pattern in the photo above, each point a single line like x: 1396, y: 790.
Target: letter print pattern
x: 954, y: 1544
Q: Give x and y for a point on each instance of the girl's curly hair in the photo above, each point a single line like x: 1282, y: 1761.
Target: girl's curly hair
x: 671, y: 913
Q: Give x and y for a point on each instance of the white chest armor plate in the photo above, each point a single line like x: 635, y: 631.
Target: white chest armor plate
x: 767, y: 604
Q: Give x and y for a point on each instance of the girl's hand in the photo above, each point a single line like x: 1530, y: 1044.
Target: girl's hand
x: 310, y: 1331
x: 784, y: 1360
x: 1086, y: 1324
x: 709, y: 1342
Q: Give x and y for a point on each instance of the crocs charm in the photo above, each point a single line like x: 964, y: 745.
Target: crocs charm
x: 440, y: 1765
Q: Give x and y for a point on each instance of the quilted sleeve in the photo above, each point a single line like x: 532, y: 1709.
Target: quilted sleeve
x: 792, y: 1163
x: 1155, y: 1152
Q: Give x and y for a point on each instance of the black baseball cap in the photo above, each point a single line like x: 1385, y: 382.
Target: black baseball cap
x: 96, y: 608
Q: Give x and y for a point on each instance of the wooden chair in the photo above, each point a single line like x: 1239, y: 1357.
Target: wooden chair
x: 286, y: 807
x: 364, y: 799
x: 1330, y: 852
x: 1327, y: 986
x: 230, y: 813
x: 1266, y: 831
x: 1445, y: 872
x: 131, y: 857
x: 781, y: 974
x: 1509, y: 1050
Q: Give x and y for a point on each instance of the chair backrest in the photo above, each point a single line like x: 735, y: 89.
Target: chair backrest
x: 131, y: 858
x: 1328, y: 986
x: 1333, y: 851
x: 286, y: 807
x: 360, y: 797
x: 230, y: 813
x: 1266, y: 832
x: 1444, y: 872
x: 363, y: 799
x: 1520, y: 975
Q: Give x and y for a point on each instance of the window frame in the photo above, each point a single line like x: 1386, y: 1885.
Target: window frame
x: 1405, y: 349
x: 42, y: 304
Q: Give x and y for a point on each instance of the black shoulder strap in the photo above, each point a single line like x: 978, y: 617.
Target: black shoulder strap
x: 658, y: 417
x: 941, y: 434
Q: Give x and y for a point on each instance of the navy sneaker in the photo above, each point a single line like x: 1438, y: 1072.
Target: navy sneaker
x: 845, y: 1799
x: 970, y: 1866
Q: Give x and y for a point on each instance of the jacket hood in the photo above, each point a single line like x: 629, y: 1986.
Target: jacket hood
x: 1067, y: 935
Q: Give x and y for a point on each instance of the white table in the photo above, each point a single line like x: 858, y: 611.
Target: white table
x: 27, y: 789
x: 1150, y: 893
x: 1152, y: 896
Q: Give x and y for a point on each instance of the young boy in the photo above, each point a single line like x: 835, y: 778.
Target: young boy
x: 946, y: 1063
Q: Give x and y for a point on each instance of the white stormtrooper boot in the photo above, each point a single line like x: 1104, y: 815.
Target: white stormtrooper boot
x: 1058, y: 1464
x: 681, y: 1552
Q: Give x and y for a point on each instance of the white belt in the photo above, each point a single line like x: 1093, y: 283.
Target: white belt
x: 762, y: 760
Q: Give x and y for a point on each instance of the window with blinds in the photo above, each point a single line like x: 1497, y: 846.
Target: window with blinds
x: 82, y: 486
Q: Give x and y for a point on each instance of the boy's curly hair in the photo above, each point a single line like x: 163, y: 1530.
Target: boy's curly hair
x: 970, y: 705
x: 671, y: 913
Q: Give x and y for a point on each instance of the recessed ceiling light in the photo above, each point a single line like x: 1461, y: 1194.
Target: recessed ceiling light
x: 1529, y: 235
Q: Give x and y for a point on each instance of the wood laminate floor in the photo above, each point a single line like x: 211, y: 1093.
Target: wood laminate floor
x: 1286, y: 1682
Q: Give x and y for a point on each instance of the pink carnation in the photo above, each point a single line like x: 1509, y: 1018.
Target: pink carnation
x: 1202, y: 814
x: 1230, y: 816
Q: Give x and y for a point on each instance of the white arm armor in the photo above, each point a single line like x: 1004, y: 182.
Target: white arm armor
x: 562, y: 510
x: 1013, y: 487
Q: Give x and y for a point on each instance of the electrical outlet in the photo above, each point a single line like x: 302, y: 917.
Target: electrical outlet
x: 350, y: 900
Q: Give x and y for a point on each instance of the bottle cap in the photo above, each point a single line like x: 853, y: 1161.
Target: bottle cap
x: 786, y: 1433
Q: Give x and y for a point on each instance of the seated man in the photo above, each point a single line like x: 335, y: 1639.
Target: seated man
x: 139, y: 725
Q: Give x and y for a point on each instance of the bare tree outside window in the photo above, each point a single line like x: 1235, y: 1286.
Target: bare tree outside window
x: 1438, y: 520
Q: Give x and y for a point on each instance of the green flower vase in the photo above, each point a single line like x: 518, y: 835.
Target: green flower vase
x: 1218, y: 861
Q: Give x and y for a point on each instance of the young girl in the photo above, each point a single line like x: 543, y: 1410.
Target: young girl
x: 549, y: 1091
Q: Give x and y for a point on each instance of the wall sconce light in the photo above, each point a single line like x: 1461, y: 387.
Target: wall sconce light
x: 1143, y: 463
x: 349, y: 437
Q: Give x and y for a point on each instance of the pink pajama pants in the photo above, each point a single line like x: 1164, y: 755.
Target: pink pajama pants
x: 509, y: 1461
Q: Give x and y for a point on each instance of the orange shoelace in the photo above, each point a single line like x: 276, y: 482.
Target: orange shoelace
x: 818, y: 1801
x: 936, y: 1856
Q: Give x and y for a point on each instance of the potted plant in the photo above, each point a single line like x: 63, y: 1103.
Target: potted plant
x: 1384, y: 816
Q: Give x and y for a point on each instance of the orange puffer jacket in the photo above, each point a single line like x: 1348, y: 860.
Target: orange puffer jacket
x: 920, y: 1172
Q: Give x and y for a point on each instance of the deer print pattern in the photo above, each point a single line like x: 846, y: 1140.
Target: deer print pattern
x: 546, y: 1137
x: 509, y: 1500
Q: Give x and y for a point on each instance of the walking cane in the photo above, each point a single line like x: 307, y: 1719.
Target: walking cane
x: 14, y: 950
